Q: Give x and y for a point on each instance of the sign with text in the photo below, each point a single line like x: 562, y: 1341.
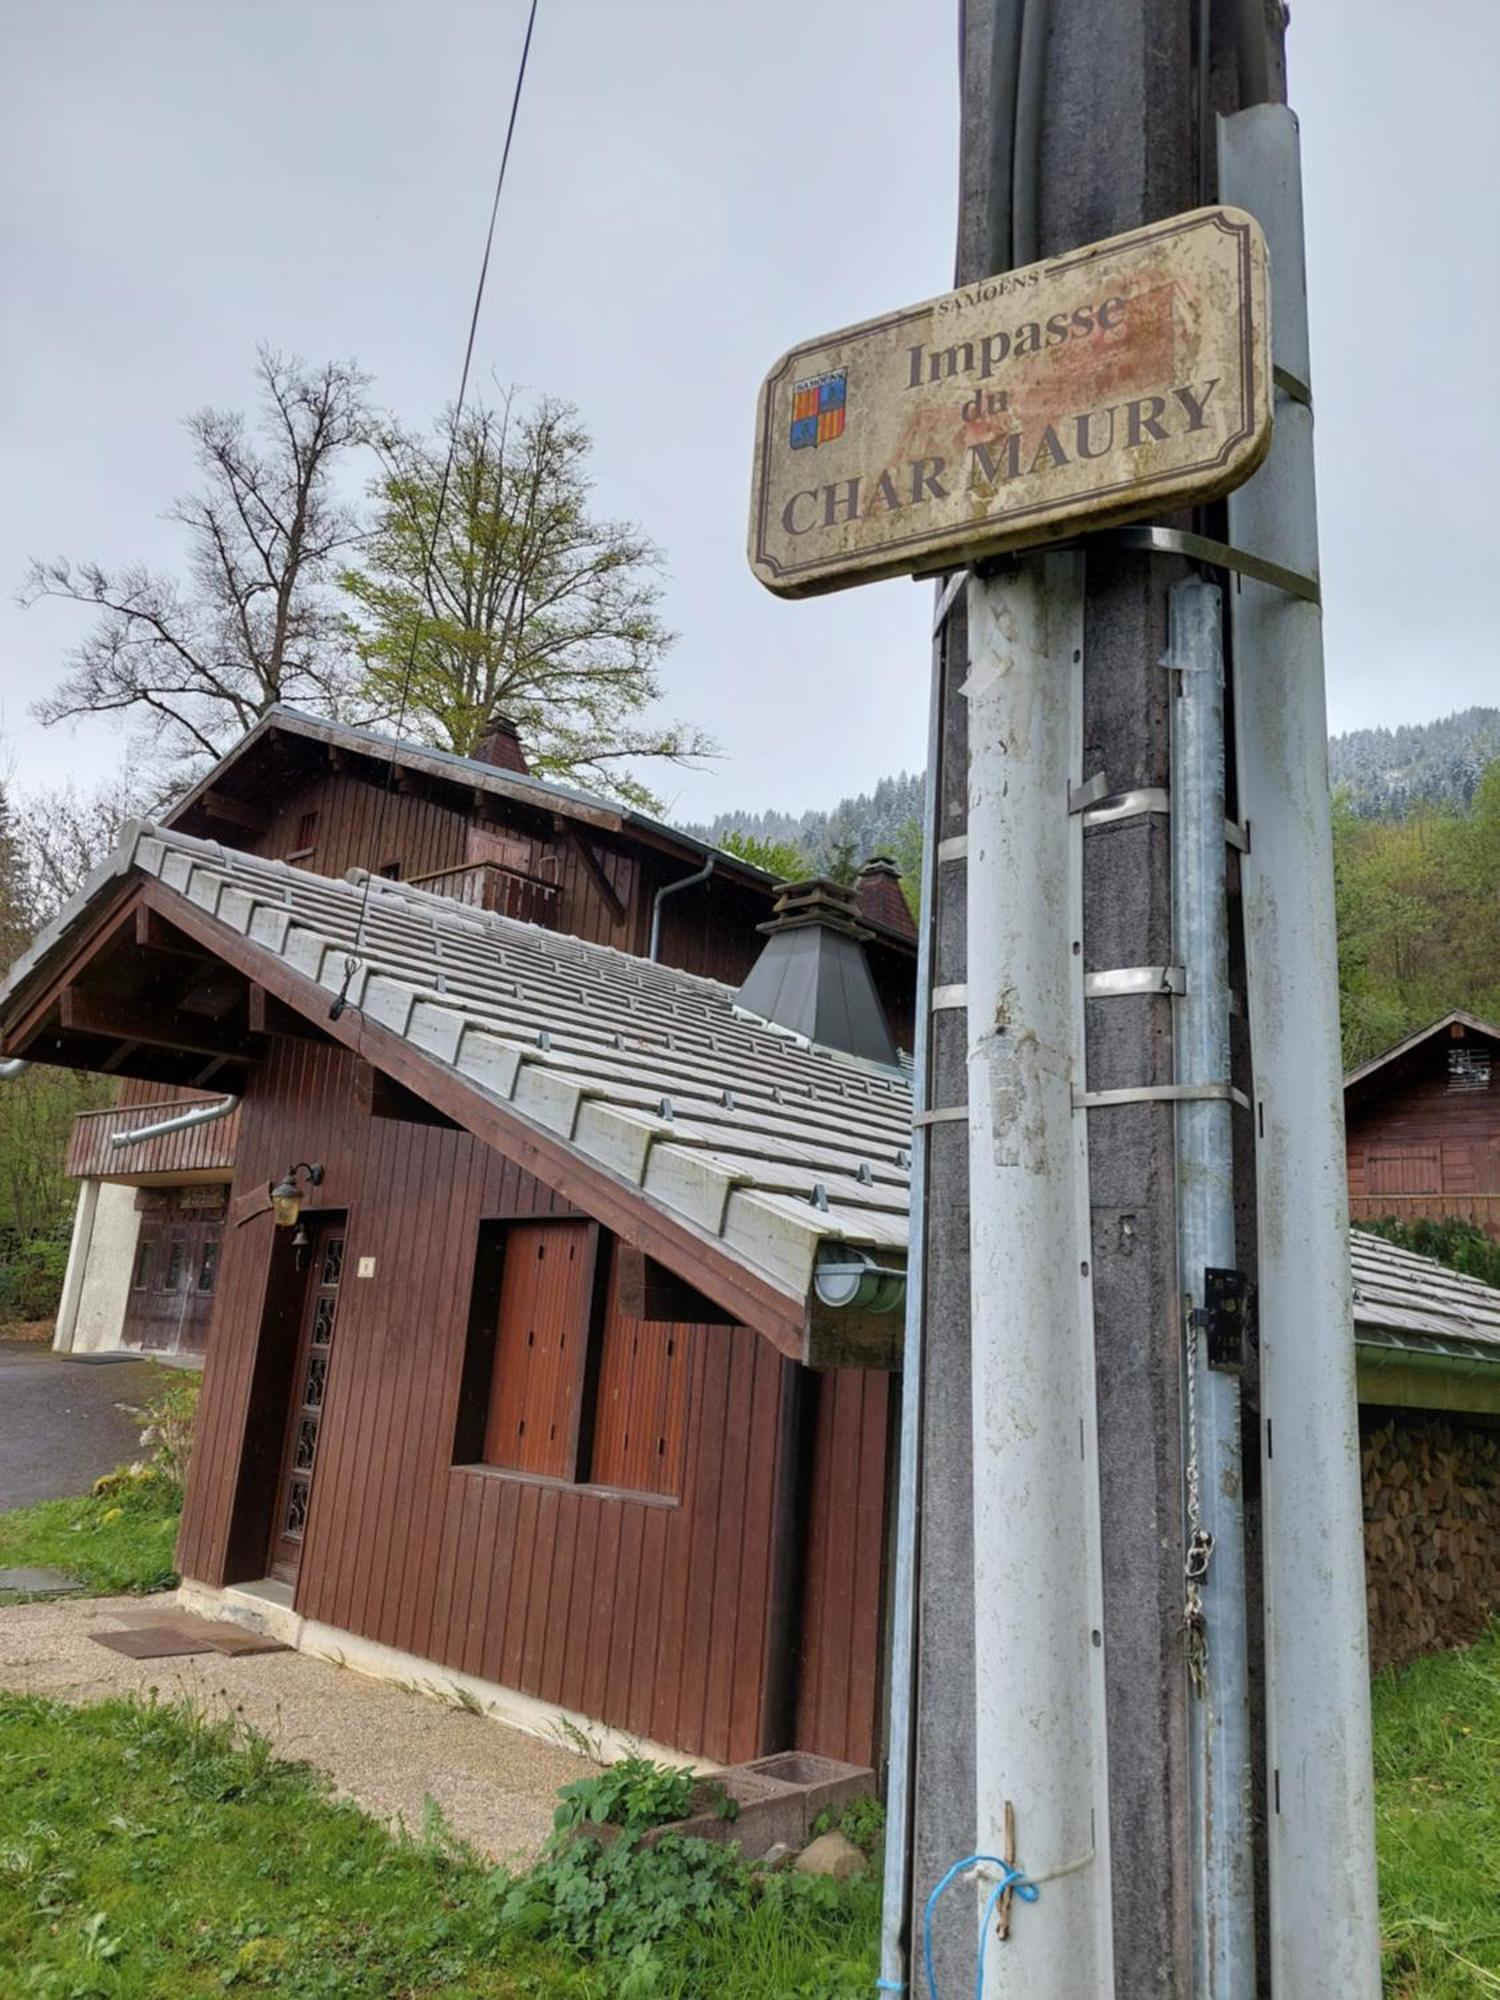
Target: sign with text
x: 1128, y: 378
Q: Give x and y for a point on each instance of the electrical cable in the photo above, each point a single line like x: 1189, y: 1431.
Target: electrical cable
x: 351, y: 963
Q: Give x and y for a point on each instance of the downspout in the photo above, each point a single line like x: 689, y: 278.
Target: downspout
x: 201, y: 1114
x: 672, y: 889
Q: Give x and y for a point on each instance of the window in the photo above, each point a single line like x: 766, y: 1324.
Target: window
x: 560, y: 1382
x: 305, y: 845
x: 1468, y: 1069
x: 176, y: 1258
x: 208, y: 1267
x: 140, y: 1277
x: 392, y: 870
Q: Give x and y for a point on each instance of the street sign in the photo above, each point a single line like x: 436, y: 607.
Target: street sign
x: 1128, y: 378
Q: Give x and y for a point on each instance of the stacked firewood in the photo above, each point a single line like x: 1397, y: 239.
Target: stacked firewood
x: 1432, y: 1535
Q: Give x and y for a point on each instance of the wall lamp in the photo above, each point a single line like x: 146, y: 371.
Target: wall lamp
x: 850, y: 1278
x: 286, y: 1196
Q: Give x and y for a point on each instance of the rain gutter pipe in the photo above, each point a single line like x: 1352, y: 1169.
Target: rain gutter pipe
x: 1220, y: 1777
x: 673, y: 889
x: 17, y: 1066
x: 201, y: 1114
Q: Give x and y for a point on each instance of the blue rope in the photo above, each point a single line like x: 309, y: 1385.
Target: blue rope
x: 1010, y: 1878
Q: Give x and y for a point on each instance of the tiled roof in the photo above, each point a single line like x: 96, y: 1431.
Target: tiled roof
x: 735, y: 1128
x: 1417, y: 1300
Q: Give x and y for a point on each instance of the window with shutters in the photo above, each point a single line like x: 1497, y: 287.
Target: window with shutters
x: 560, y: 1383
x: 1403, y: 1170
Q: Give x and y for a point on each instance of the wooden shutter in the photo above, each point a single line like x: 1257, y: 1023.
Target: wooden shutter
x: 1403, y: 1170
x: 541, y: 1343
x: 640, y: 1401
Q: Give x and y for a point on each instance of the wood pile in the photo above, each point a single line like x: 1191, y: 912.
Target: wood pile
x: 1432, y: 1535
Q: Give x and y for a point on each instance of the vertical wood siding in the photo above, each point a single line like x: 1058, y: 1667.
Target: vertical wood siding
x: 541, y: 1331
x: 839, y: 1691
x: 649, y: 1611
x: 1418, y: 1149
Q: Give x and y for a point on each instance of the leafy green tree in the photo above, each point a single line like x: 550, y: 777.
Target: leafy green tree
x: 777, y: 857
x: 534, y: 608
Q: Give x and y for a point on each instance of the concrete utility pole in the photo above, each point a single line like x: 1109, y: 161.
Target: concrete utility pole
x: 1081, y: 122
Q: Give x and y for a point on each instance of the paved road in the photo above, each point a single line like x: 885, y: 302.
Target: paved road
x: 59, y: 1427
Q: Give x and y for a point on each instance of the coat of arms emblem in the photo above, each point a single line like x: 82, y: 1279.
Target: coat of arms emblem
x: 818, y: 409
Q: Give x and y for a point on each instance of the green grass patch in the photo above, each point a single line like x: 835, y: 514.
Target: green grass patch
x: 117, y: 1541
x: 1437, y: 1775
x: 147, y: 1853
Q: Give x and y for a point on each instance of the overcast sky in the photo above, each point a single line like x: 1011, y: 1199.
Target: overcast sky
x: 693, y: 187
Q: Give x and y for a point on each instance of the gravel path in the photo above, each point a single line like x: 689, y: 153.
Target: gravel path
x: 384, y: 1748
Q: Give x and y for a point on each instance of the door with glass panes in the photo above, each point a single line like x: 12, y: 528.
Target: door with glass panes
x: 309, y: 1384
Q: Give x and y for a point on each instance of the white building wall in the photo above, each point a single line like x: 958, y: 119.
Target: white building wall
x: 97, y: 1286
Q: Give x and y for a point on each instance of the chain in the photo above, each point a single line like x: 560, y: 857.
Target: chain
x: 1200, y: 1543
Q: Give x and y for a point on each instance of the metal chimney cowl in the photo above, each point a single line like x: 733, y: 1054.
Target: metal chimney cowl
x: 813, y: 978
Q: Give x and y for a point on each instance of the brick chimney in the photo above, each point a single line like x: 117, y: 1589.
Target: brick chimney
x: 877, y: 890
x: 500, y: 744
x: 812, y: 976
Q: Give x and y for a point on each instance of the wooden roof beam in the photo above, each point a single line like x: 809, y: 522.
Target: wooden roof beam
x: 233, y: 812
x: 151, y: 1027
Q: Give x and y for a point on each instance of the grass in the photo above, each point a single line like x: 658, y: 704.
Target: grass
x: 147, y: 1853
x: 1437, y: 1776
x: 113, y: 1542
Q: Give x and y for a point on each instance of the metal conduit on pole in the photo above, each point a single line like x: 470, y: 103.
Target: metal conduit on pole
x: 1221, y: 1845
x: 1039, y: 1758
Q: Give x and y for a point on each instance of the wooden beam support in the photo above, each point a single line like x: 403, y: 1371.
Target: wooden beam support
x: 270, y: 1016
x: 649, y: 1291
x: 152, y: 934
x: 152, y: 1027
x: 594, y: 869
x: 233, y: 812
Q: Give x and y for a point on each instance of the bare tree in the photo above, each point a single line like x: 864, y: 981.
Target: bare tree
x: 61, y: 836
x: 255, y: 622
x: 532, y: 607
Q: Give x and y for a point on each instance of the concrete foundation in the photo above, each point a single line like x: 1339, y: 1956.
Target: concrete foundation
x: 96, y: 1288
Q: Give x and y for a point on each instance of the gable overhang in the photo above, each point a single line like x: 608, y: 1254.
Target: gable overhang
x: 1384, y: 1070
x: 59, y: 1012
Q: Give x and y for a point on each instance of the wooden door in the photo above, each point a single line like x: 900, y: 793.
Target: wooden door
x: 172, y: 1284
x: 305, y: 1405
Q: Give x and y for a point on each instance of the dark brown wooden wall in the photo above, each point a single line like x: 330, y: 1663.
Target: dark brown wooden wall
x: 1422, y: 1138
x: 650, y: 1614
x: 422, y: 835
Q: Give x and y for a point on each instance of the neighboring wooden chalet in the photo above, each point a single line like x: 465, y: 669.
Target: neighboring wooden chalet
x: 557, y: 1309
x: 480, y: 830
x: 1423, y: 1127
x: 539, y: 1386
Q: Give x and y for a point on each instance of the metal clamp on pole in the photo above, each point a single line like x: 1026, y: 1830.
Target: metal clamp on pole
x: 1201, y: 548
x: 1160, y: 1093
x: 1126, y: 981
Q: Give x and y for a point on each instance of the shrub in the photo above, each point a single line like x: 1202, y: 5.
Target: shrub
x: 31, y: 1276
x: 636, y: 1794
x: 1460, y: 1245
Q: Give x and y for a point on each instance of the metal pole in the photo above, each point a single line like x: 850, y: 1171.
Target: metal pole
x: 1223, y: 1886
x: 1040, y: 1767
x: 1324, y: 1930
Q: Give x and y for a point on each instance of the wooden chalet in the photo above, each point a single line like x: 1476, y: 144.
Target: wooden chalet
x: 1423, y: 1127
x: 570, y: 1372
x: 482, y: 831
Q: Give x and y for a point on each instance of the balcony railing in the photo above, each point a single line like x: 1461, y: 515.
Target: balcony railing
x: 202, y: 1149
x: 506, y: 892
x: 1483, y: 1210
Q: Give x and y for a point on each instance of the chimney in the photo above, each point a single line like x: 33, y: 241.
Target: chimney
x: 812, y: 976
x: 500, y: 744
x: 877, y: 890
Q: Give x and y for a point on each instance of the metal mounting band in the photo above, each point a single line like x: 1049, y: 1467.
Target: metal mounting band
x: 949, y: 996
x: 1081, y: 797
x: 948, y: 1114
x: 1125, y: 805
x: 1125, y: 980
x: 1160, y: 1093
x: 1292, y: 385
x: 954, y: 848
x: 1199, y: 548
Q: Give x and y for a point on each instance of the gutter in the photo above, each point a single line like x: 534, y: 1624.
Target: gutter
x: 672, y: 889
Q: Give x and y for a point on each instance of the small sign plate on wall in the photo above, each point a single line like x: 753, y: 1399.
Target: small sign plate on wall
x: 365, y: 1268
x: 1126, y: 378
